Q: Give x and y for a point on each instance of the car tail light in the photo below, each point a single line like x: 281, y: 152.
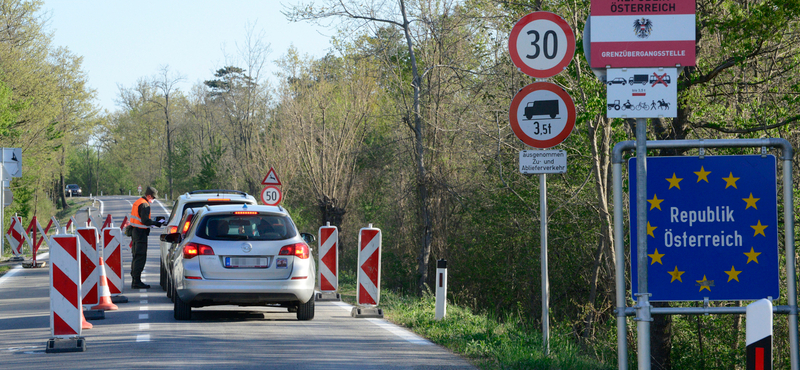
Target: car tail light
x: 245, y: 213
x: 173, y: 229
x: 190, y: 250
x: 299, y: 250
x: 219, y: 199
x: 186, y: 224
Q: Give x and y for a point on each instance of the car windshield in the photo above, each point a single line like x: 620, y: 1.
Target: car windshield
x: 246, y: 227
x: 73, y: 186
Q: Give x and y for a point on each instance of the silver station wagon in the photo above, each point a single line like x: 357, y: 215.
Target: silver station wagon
x: 246, y: 255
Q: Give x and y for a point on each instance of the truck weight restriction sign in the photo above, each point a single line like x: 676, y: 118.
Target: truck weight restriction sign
x: 541, y: 44
x: 271, y: 195
x: 542, y: 115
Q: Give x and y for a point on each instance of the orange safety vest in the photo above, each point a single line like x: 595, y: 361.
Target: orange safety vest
x: 136, y: 221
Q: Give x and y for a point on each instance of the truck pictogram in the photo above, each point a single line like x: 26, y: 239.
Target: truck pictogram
x: 541, y: 108
x: 639, y: 79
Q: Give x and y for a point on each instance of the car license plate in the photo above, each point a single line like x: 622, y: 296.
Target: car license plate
x: 246, y: 262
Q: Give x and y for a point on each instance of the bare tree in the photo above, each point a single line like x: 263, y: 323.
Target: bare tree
x: 165, y: 82
x: 392, y: 15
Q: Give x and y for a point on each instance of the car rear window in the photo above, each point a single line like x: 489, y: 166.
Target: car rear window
x: 246, y: 227
x: 200, y: 204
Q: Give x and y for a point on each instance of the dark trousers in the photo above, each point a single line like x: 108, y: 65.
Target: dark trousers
x: 139, y: 249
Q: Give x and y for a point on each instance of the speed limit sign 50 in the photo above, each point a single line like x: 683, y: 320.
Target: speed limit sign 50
x: 271, y: 195
x: 541, y: 44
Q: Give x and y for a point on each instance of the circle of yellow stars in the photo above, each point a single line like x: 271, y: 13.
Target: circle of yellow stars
x: 733, y: 274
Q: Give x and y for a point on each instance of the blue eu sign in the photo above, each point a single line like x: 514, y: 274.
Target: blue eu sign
x: 712, y: 228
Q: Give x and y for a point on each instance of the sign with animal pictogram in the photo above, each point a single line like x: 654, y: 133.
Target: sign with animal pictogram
x: 642, y: 92
x: 542, y: 115
x: 712, y: 228
x: 271, y: 178
x: 541, y: 44
x: 642, y: 33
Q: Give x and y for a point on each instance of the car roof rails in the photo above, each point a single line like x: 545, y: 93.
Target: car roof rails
x: 217, y: 191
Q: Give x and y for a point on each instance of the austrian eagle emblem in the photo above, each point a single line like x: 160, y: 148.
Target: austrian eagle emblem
x: 642, y: 28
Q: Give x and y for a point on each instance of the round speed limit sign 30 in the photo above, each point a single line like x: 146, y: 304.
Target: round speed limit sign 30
x: 542, y: 115
x: 271, y: 196
x: 541, y: 44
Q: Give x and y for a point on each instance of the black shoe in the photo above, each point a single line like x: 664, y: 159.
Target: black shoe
x: 139, y: 285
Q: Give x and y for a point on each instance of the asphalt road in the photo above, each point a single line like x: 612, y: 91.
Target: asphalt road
x: 143, y: 333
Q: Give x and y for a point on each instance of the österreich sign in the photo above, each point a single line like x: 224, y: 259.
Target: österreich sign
x: 627, y: 33
x: 542, y: 115
x: 712, y: 228
x: 541, y: 44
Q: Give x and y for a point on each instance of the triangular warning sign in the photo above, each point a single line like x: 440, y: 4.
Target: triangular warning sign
x: 271, y: 178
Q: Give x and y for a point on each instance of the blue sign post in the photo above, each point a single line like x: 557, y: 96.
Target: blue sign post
x: 712, y: 227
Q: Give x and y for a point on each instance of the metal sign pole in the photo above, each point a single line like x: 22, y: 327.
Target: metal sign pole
x: 643, y: 317
x: 2, y: 198
x: 545, y: 279
x: 791, y: 277
x: 619, y: 262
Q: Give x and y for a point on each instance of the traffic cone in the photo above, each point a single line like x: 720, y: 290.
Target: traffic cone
x: 105, y: 293
x: 85, y: 324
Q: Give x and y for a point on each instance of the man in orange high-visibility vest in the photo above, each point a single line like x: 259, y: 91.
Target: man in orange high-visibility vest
x: 140, y: 221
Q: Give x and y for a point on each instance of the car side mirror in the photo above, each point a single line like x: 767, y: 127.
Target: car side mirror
x: 172, y: 238
x: 308, y: 238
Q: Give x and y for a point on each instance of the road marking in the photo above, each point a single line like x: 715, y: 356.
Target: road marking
x: 143, y: 338
x: 392, y: 328
x: 400, y: 332
x: 144, y: 308
x: 10, y: 273
x: 18, y: 268
x: 143, y: 301
x: 144, y: 316
x: 144, y: 326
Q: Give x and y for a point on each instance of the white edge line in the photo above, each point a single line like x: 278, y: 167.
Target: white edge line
x: 18, y: 268
x: 399, y: 331
x: 10, y: 274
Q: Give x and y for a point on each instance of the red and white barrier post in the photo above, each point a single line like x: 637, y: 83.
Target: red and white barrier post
x: 35, y: 241
x: 65, y: 295
x: 90, y: 274
x: 328, y: 239
x: 441, y: 289
x: 759, y: 335
x: 369, y: 273
x: 126, y: 222
x: 16, y: 237
x: 112, y: 251
x: 109, y: 222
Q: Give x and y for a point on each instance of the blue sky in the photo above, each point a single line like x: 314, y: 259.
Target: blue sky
x: 123, y: 41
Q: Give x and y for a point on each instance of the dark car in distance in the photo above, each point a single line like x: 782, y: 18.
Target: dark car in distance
x: 73, y: 190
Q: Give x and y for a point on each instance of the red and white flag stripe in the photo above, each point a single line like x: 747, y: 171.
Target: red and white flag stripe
x: 112, y: 253
x: 329, y: 258
x: 90, y: 258
x: 65, y: 288
x: 369, y: 267
x: 637, y: 34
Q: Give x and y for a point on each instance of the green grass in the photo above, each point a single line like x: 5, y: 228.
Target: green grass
x: 486, y: 341
x: 75, y: 204
x: 4, y: 269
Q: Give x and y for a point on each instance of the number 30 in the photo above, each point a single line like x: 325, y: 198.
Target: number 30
x: 536, y: 47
